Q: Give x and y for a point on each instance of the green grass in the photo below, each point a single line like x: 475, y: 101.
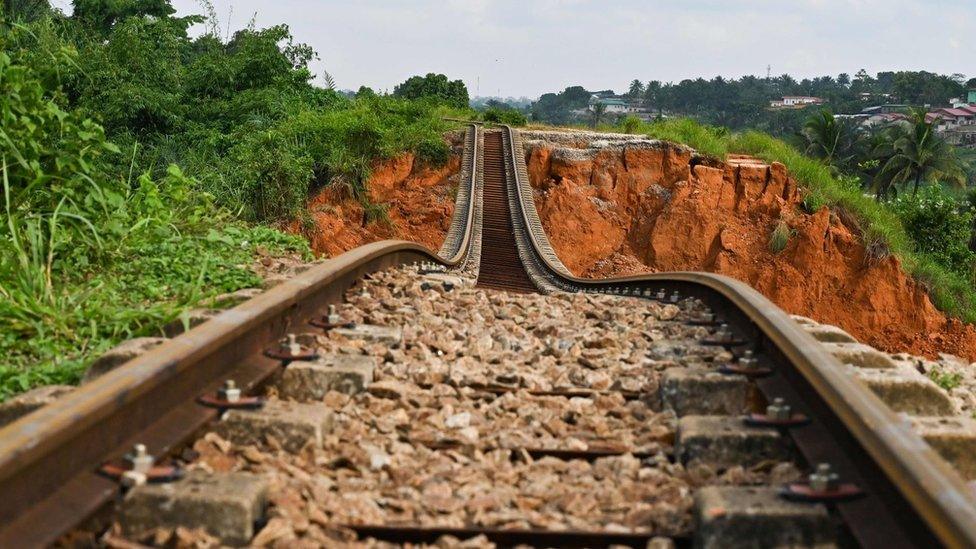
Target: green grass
x: 946, y: 380
x: 51, y: 337
x: 881, y: 230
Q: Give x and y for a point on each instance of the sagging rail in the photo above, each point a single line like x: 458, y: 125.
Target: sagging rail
x: 48, y: 460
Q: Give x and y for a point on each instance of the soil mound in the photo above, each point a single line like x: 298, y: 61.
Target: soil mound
x: 615, y: 205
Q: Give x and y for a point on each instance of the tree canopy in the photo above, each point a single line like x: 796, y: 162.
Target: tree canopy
x: 437, y: 86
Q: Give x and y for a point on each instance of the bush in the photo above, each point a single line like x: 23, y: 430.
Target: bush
x: 511, y: 117
x: 780, y: 237
x: 434, y: 86
x: 705, y: 139
x: 939, y: 225
x: 630, y: 124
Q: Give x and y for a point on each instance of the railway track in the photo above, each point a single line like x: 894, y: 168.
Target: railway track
x: 891, y: 488
x: 500, y: 267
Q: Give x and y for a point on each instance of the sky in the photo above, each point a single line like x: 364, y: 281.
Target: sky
x: 529, y: 47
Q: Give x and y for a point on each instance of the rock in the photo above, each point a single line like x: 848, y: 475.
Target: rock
x: 757, y: 517
x: 704, y: 392
x: 25, y: 403
x: 722, y: 441
x: 189, y: 320
x: 120, y: 354
x: 860, y: 355
x: 311, y: 381
x: 388, y: 388
x: 905, y: 390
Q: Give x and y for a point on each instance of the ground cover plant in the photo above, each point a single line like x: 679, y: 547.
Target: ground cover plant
x: 143, y: 170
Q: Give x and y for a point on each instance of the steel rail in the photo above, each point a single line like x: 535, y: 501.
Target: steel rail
x: 467, y: 221
x: 49, y: 458
x: 932, y: 489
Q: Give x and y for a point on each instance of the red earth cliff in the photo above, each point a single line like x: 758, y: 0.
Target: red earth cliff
x: 419, y: 202
x: 616, y: 209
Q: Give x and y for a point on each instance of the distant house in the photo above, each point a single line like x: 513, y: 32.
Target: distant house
x: 795, y: 101
x: 946, y: 119
x: 614, y: 105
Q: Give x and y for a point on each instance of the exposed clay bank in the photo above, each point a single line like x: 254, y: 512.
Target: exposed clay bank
x: 419, y: 201
x: 616, y: 205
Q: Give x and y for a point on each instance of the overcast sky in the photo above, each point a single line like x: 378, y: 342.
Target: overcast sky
x: 529, y: 47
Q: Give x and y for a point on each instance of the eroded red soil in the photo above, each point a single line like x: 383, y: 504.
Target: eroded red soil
x: 419, y: 202
x: 637, y: 209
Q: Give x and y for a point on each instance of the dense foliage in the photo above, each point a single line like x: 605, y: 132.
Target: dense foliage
x: 504, y: 115
x: 939, y: 225
x: 133, y: 155
x: 557, y: 108
x: 91, y: 255
x: 437, y: 86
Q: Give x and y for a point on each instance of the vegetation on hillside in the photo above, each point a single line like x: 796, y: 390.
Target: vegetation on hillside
x: 135, y: 160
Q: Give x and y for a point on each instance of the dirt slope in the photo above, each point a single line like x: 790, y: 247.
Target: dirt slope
x: 419, y: 201
x: 613, y: 206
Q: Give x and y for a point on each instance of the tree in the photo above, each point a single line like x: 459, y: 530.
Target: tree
x: 557, y: 108
x: 636, y: 89
x: 916, y: 154
x: 101, y: 15
x: 452, y: 92
x: 25, y: 10
x: 597, y: 114
x: 829, y: 139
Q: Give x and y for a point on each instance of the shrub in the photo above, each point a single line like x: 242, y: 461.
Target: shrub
x: 780, y: 236
x: 705, y: 139
x: 433, y: 151
x: 939, y: 225
x: 313, y: 148
x: 946, y: 380
x: 630, y: 124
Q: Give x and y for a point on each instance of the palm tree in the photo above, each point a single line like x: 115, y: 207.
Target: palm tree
x: 829, y: 139
x: 915, y: 153
x: 597, y: 114
x: 636, y: 89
